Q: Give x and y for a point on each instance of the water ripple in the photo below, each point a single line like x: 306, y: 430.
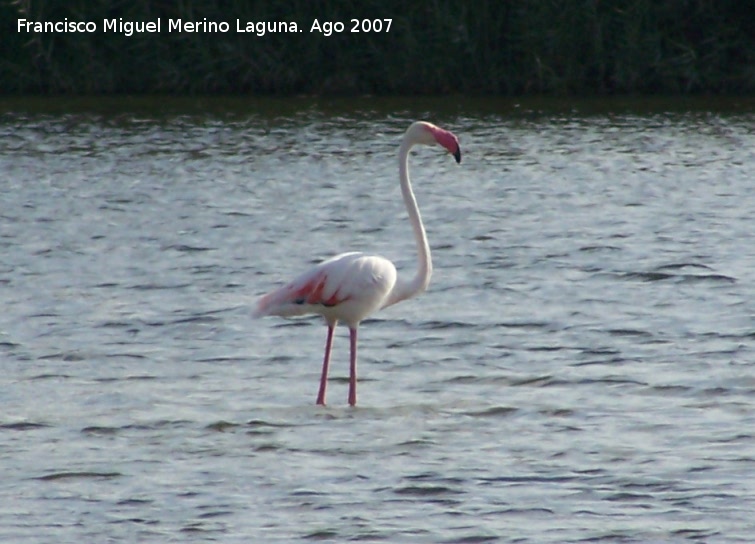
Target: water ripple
x: 579, y: 370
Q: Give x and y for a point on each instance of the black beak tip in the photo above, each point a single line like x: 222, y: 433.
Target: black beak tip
x: 457, y: 155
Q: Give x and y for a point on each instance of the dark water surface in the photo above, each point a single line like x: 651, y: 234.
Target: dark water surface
x: 580, y: 370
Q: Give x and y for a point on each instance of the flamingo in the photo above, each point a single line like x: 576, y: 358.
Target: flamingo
x: 351, y: 286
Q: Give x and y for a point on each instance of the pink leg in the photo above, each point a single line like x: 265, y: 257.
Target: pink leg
x: 353, y: 367
x: 325, y: 362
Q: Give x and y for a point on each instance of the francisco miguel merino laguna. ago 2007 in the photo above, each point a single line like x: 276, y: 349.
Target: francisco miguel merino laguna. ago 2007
x: 259, y: 28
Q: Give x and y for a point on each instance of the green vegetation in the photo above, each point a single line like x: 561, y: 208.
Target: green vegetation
x: 434, y: 47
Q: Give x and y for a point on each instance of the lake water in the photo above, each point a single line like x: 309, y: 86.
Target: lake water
x: 581, y: 369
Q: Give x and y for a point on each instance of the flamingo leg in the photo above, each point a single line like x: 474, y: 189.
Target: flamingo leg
x: 325, y: 362
x: 353, y: 367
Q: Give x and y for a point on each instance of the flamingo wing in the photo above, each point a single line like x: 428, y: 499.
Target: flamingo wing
x: 308, y: 289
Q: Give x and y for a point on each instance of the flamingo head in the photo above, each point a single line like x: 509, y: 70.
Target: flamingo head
x: 426, y: 133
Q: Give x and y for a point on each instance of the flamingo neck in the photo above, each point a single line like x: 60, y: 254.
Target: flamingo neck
x: 407, y: 289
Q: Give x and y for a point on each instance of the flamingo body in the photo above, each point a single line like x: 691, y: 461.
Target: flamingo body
x: 351, y: 286
x: 346, y: 288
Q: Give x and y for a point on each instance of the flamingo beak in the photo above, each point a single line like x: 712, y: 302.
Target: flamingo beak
x: 457, y: 154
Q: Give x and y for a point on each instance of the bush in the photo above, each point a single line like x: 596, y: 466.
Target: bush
x: 444, y: 46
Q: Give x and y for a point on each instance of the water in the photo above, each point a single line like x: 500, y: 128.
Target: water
x: 580, y: 370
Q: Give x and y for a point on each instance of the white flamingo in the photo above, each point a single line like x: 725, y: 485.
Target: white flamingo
x: 351, y: 286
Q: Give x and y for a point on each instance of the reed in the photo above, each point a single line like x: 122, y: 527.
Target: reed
x: 442, y: 46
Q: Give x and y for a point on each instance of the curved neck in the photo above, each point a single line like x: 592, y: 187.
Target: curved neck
x: 419, y: 283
